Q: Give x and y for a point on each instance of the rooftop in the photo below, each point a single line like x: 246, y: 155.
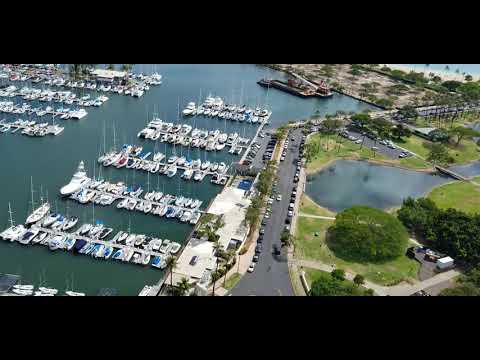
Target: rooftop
x: 231, y: 203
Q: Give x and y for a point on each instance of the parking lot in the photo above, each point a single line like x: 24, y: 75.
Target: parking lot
x: 392, y: 153
x: 255, y: 155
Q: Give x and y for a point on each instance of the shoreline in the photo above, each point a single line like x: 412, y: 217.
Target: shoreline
x: 445, y: 75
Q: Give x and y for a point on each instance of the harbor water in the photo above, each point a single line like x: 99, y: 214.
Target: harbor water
x: 346, y: 183
x: 52, y: 160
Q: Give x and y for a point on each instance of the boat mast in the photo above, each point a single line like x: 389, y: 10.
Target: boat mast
x: 148, y: 182
x: 114, y: 138
x: 12, y: 223
x: 31, y: 188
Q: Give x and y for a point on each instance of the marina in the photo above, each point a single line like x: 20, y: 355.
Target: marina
x: 100, y: 80
x: 85, y: 190
x: 187, y: 136
x: 215, y: 107
x: 50, y: 229
x: 30, y: 128
x: 132, y: 157
x: 50, y: 163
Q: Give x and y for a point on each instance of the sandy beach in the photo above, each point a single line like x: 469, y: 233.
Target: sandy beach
x: 445, y: 75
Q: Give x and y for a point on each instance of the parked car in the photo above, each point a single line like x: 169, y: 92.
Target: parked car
x: 194, y: 260
x: 276, y: 249
x: 251, y: 268
x: 279, y: 197
x: 255, y: 258
x: 258, y: 248
x: 262, y: 231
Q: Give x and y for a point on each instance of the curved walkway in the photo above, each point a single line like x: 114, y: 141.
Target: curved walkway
x: 403, y: 289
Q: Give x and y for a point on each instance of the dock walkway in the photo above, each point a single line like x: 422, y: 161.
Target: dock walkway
x: 103, y: 242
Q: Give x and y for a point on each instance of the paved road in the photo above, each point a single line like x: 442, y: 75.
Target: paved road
x: 271, y: 276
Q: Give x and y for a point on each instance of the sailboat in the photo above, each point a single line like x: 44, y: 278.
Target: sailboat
x: 39, y: 213
x: 14, y: 231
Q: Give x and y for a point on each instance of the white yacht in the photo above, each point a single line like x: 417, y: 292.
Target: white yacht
x: 38, y: 214
x: 189, y: 109
x: 79, y: 179
x: 13, y: 233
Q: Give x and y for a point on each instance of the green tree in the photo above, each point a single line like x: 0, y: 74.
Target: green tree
x: 364, y: 234
x: 110, y: 66
x: 171, y: 265
x: 408, y: 112
x: 359, y: 280
x: 400, y: 131
x: 184, y: 286
x: 286, y: 238
x: 463, y: 133
x: 438, y: 154
x: 468, y: 77
x: 338, y: 274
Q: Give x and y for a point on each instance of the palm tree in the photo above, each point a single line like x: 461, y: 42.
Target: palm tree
x: 216, y: 246
x: 184, y: 286
x: 229, y: 256
x: 171, y: 265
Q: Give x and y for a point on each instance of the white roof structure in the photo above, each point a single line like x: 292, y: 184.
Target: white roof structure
x: 445, y: 260
x: 232, y: 205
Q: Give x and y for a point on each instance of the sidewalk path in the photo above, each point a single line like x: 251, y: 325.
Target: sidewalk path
x: 403, y: 289
x: 316, y: 216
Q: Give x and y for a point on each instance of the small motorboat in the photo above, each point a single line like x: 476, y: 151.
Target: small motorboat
x: 175, y: 247
x: 105, y: 232
x: 50, y: 219
x: 118, y: 255
x: 70, y: 223
x: 57, y: 242
x: 108, y: 252
x: 69, y: 243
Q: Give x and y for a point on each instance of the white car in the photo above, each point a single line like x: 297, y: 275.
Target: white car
x: 282, y: 158
x: 290, y: 213
x: 359, y: 141
x: 251, y: 267
x: 279, y: 197
x: 267, y: 216
x: 270, y: 201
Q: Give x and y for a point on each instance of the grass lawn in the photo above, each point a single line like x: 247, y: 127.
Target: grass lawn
x: 414, y: 162
x: 414, y: 144
x: 466, y: 151
x: 308, y: 206
x: 333, y: 147
x: 313, y: 275
x: 308, y: 246
x: 232, y: 281
x: 459, y: 195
